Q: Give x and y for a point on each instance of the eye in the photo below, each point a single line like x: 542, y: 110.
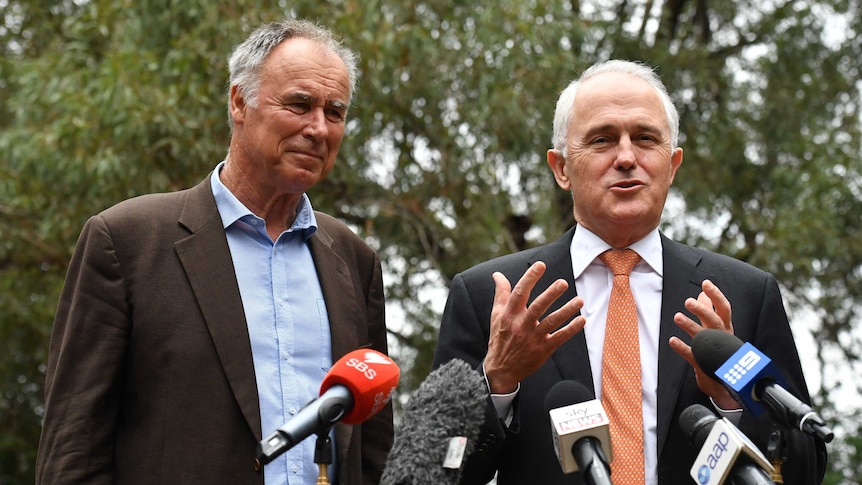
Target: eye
x: 299, y: 107
x: 334, y: 115
x: 600, y: 140
x: 647, y: 138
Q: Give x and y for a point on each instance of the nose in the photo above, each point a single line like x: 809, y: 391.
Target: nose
x: 315, y: 125
x: 626, y: 158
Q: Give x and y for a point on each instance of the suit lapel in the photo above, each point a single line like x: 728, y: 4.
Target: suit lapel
x: 572, y: 359
x: 682, y: 279
x: 338, y: 293
x: 207, y: 261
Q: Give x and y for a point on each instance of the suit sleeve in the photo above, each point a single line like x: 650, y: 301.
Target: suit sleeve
x: 87, y: 348
x: 805, y: 456
x: 464, y: 333
x: 378, y: 431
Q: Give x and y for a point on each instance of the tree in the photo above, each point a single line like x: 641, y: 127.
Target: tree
x: 443, y: 161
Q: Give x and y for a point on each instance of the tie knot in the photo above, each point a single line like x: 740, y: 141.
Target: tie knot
x: 620, y: 261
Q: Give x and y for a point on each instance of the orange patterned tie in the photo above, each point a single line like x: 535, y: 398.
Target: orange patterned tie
x: 621, y: 372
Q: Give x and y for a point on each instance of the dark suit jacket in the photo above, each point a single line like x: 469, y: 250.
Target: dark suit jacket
x: 524, y: 452
x: 150, y: 376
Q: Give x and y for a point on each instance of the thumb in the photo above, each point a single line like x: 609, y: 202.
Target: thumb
x: 502, y: 289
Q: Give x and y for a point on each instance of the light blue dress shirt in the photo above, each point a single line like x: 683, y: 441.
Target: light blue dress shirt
x: 287, y: 322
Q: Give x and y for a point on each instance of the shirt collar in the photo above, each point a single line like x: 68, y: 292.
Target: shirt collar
x: 232, y: 210
x: 587, y: 246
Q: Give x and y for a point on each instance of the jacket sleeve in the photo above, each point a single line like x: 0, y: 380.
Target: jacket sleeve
x: 378, y: 432
x: 803, y: 456
x: 87, y: 349
x: 464, y: 333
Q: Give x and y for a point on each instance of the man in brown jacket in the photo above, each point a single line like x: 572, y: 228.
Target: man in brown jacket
x: 193, y: 323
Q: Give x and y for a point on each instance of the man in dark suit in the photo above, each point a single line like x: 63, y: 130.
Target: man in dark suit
x: 193, y: 323
x: 615, y: 150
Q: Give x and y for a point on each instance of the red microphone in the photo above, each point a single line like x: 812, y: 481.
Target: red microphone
x: 354, y: 389
x: 371, y: 378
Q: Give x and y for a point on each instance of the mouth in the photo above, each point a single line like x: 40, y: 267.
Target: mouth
x: 627, y: 184
x: 313, y: 155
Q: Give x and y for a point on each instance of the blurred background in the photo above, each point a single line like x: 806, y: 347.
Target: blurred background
x: 443, y: 163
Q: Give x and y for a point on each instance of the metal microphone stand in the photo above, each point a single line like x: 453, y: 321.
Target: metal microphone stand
x: 323, y: 456
x: 776, y: 451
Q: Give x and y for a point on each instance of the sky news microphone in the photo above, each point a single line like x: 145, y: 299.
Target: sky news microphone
x: 754, y: 381
x: 579, y: 426
x: 440, y: 426
x: 354, y: 389
x: 726, y: 454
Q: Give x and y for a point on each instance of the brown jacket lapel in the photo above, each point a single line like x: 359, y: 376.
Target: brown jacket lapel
x: 206, y: 259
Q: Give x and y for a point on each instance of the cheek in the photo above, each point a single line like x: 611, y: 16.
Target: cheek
x: 335, y: 135
x: 583, y: 175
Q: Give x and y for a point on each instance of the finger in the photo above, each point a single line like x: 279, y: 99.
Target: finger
x: 521, y: 292
x: 683, y: 350
x: 502, y: 292
x: 502, y: 288
x: 540, y: 305
x: 719, y: 302
x: 566, y: 332
x: 688, y: 325
x: 562, y: 315
x: 702, y: 308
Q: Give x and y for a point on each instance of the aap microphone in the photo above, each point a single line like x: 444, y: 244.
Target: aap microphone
x: 440, y: 424
x: 726, y: 454
x: 580, y: 430
x: 754, y: 381
x: 354, y: 389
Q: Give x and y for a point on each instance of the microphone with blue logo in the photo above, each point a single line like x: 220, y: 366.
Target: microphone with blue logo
x: 726, y: 455
x: 754, y: 381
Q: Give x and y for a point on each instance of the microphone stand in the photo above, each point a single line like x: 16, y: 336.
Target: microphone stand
x: 323, y: 456
x: 776, y: 451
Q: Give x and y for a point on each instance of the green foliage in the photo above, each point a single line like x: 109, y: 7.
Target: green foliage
x: 443, y: 164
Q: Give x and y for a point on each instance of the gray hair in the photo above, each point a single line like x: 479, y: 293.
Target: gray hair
x: 247, y: 58
x: 563, y: 113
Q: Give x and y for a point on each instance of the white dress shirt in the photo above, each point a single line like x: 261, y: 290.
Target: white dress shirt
x: 593, y: 282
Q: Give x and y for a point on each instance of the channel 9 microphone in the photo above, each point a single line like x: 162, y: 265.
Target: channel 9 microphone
x: 440, y: 425
x: 754, y: 381
x: 579, y: 426
x: 356, y: 387
x: 726, y: 454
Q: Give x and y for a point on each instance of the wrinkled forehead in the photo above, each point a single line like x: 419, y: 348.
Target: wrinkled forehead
x: 307, y: 63
x: 618, y: 94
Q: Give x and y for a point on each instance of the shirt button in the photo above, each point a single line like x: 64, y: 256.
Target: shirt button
x: 294, y: 468
x: 292, y: 410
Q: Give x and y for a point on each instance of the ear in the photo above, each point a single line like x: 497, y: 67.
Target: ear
x: 675, y: 162
x: 558, y: 166
x: 237, y: 105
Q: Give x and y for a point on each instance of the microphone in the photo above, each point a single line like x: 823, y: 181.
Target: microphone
x: 356, y: 387
x: 754, y: 381
x: 582, y: 439
x: 440, y: 424
x: 726, y: 454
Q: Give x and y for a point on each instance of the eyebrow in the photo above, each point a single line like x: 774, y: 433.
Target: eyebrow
x: 339, y: 105
x: 611, y: 127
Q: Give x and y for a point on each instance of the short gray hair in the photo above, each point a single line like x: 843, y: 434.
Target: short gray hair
x: 247, y: 58
x: 563, y: 113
